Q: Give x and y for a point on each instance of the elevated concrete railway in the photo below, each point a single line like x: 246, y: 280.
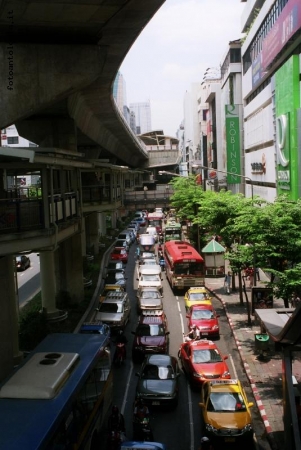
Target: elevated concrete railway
x: 59, y: 60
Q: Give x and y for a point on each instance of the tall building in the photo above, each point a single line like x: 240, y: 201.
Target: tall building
x: 142, y: 111
x: 119, y: 92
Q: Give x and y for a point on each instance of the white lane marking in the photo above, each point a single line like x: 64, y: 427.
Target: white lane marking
x: 127, y: 388
x: 190, y: 418
x: 233, y: 367
x: 188, y: 387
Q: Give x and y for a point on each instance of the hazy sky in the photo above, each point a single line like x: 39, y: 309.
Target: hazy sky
x: 181, y: 41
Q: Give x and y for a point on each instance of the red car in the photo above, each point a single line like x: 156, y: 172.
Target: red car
x: 120, y: 254
x: 202, y: 361
x: 206, y: 320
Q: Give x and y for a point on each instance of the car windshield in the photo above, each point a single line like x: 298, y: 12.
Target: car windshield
x: 150, y: 278
x: 149, y: 262
x: 226, y: 402
x: 188, y: 268
x: 113, y: 277
x: 150, y: 330
x: 119, y: 252
x: 152, y: 372
x: 147, y: 255
x: 206, y: 356
x: 198, y: 296
x: 150, y: 294
x: 202, y: 314
x: 111, y: 308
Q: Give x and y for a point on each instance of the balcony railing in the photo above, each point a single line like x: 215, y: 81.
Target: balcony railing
x: 19, y: 213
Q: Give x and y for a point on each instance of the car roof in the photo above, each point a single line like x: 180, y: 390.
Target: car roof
x: 149, y: 288
x: 197, y: 289
x: 150, y: 269
x: 232, y: 384
x: 160, y: 359
x: 202, y: 343
x: 202, y: 306
x: 145, y: 320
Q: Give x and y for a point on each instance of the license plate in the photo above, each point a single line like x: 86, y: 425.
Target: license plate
x: 205, y: 334
x: 230, y: 439
x: 155, y: 403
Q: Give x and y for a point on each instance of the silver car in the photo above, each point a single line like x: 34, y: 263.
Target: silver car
x: 149, y: 299
x: 114, y: 310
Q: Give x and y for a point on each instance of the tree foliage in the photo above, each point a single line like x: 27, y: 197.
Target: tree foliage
x: 254, y: 231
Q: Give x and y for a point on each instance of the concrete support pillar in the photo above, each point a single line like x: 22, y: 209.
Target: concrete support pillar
x: 9, y: 329
x: 92, y: 234
x: 48, y: 283
x: 69, y: 268
x: 102, y: 228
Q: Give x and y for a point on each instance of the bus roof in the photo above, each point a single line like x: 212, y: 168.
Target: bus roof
x: 26, y: 422
x: 181, y: 251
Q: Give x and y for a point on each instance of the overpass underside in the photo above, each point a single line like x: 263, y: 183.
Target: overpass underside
x: 58, y: 63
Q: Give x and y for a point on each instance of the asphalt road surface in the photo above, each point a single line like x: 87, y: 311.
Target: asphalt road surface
x: 29, y: 283
x: 179, y: 429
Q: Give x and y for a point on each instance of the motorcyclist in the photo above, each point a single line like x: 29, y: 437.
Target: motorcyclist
x: 193, y: 334
x: 205, y: 444
x: 116, y: 421
x: 141, y: 412
x: 120, y: 339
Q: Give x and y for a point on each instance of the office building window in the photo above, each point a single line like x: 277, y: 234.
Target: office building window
x: 12, y: 140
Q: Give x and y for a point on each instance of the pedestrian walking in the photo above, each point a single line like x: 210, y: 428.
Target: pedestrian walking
x: 295, y: 300
x: 227, y: 285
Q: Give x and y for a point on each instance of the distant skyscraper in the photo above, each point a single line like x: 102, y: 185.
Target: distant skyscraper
x: 142, y: 113
x: 119, y: 92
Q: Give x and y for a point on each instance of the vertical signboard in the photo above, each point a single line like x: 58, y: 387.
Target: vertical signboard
x: 233, y: 144
x: 287, y: 102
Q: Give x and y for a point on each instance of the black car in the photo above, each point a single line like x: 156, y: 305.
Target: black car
x: 116, y: 277
x: 158, y: 381
x: 22, y: 262
x: 115, y: 265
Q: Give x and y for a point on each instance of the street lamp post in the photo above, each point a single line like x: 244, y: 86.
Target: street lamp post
x: 228, y: 173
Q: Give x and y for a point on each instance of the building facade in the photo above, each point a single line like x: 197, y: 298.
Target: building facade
x: 142, y: 111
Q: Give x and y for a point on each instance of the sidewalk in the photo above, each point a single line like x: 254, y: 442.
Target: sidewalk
x: 264, y: 374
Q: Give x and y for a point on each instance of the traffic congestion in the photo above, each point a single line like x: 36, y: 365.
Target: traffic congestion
x: 181, y: 363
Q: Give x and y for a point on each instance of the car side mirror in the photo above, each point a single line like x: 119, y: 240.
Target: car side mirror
x: 133, y: 332
x: 137, y: 374
x: 250, y: 404
x: 201, y: 405
x: 137, y: 279
x: 217, y: 315
x: 188, y: 316
x: 167, y: 333
x: 225, y: 357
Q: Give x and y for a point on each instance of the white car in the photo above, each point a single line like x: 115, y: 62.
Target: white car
x: 150, y: 276
x: 153, y: 232
x: 149, y: 264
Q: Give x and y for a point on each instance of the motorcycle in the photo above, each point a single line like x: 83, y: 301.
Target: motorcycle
x: 162, y: 263
x: 119, y: 356
x: 115, y: 439
x: 142, y: 430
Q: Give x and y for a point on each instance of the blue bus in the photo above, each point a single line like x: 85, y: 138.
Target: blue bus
x: 60, y: 396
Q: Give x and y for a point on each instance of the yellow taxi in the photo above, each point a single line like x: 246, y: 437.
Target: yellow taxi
x: 108, y: 288
x: 197, y: 295
x: 226, y: 412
